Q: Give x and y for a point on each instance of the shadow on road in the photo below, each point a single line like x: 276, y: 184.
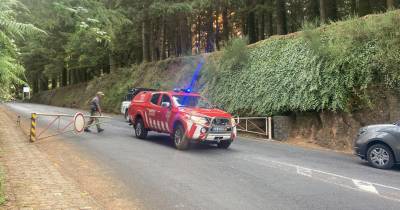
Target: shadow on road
x: 395, y: 168
x: 165, y: 140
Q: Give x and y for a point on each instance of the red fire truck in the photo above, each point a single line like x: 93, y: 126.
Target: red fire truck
x: 185, y: 116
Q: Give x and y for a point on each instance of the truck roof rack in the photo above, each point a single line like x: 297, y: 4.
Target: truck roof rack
x: 136, y: 90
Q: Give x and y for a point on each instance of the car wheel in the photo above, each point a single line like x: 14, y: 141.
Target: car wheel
x: 224, y: 144
x: 140, y: 130
x: 180, y: 140
x: 380, y: 156
x: 126, y: 116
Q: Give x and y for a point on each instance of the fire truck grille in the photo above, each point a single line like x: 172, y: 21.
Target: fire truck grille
x: 221, y: 122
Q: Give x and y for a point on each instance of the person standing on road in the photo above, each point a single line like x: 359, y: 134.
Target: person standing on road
x: 94, y: 110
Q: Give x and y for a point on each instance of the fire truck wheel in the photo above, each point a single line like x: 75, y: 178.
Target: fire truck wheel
x: 179, y: 137
x: 224, y: 144
x: 140, y: 130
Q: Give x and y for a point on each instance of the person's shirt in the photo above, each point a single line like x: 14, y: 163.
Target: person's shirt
x: 95, y: 104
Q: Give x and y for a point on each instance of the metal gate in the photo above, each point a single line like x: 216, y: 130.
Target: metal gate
x: 256, y: 125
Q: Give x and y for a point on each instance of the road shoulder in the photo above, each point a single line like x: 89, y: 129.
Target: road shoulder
x: 52, y: 174
x: 31, y: 180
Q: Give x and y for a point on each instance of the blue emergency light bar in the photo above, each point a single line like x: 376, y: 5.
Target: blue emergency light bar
x: 186, y: 90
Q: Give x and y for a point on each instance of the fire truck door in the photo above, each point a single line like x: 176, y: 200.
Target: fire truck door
x: 165, y: 113
x: 152, y: 112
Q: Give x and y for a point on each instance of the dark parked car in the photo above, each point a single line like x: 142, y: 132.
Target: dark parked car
x: 379, y: 145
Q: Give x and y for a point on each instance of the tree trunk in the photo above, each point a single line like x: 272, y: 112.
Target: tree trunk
x: 146, y: 40
x: 53, y: 82
x: 217, y: 29
x: 390, y: 4
x: 44, y: 83
x: 332, y: 10
x: 251, y: 27
x: 328, y: 10
x: 210, y: 33
x: 64, y: 77
x: 197, y: 45
x: 163, y: 39
x: 281, y: 22
x: 313, y: 12
x: 35, y: 87
x: 269, y: 17
x: 179, y: 38
x: 364, y: 7
x: 225, y: 24
x: 70, y: 79
x: 75, y: 76
x: 322, y: 11
x: 353, y: 7
x: 111, y: 61
x: 85, y: 74
x: 261, y: 31
x: 378, y: 5
x: 155, y: 40
x: 189, y: 36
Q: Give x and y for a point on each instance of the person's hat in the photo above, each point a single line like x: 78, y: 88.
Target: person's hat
x: 100, y: 93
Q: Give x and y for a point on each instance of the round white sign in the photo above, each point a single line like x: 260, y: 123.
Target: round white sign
x: 79, y: 122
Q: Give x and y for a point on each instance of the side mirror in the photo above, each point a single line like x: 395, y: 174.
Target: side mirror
x: 166, y: 104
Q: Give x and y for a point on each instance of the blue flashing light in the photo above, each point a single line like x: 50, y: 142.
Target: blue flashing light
x: 193, y: 80
x: 195, y: 76
x: 185, y: 90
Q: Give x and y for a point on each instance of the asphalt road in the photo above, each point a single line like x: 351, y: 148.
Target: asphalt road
x: 251, y: 174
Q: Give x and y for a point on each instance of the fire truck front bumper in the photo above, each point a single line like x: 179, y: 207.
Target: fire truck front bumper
x: 206, y: 134
x: 217, y: 137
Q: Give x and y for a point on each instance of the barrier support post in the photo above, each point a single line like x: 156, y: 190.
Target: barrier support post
x: 270, y: 128
x: 32, y: 136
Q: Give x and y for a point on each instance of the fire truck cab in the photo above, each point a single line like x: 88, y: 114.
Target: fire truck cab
x: 185, y: 116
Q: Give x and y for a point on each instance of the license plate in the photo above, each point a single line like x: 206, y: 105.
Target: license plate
x: 218, y: 129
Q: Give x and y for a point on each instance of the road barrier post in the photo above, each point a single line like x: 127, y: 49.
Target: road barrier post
x: 33, y: 127
x: 270, y: 128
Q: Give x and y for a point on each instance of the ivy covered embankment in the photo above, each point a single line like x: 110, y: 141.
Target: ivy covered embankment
x: 328, y: 68
x: 330, y: 80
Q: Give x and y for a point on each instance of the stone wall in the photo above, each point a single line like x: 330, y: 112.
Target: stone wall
x: 336, y: 130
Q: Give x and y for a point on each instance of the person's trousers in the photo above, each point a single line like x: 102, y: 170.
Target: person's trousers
x: 94, y: 119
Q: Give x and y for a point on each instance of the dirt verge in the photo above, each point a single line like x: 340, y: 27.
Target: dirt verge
x: 91, y: 177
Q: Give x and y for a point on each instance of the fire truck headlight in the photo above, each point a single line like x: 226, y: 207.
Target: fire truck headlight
x: 203, y: 130
x: 198, y: 120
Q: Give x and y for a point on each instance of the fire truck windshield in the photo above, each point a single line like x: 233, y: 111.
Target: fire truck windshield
x: 191, y: 101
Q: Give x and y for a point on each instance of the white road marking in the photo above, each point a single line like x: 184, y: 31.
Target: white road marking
x: 366, y: 186
x: 304, y: 171
x: 383, y: 191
